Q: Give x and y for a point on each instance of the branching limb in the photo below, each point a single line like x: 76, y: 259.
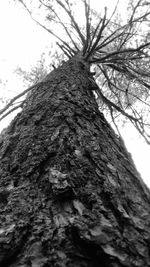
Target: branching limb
x: 75, y: 25
x: 63, y: 25
x: 88, y: 25
x: 124, y: 51
x: 102, y: 23
x: 65, y: 44
x: 111, y: 104
x: 11, y: 102
x: 10, y: 111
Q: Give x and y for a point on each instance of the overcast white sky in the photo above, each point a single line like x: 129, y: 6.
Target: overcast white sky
x: 22, y: 43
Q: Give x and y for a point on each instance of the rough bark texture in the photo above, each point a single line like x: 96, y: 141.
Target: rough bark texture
x: 69, y: 192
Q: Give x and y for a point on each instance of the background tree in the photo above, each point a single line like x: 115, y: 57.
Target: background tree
x: 70, y: 194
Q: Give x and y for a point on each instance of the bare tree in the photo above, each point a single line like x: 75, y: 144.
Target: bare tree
x: 70, y: 194
x: 118, y: 50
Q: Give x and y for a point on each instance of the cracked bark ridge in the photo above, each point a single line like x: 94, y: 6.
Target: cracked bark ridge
x: 69, y: 191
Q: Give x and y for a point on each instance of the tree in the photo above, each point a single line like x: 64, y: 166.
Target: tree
x: 70, y: 193
x: 118, y: 49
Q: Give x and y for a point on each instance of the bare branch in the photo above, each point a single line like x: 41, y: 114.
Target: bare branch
x: 65, y: 51
x: 88, y: 26
x: 103, y: 25
x: 77, y: 28
x: 111, y: 104
x: 45, y: 28
x: 10, y: 111
x: 18, y: 96
x: 128, y: 50
x: 63, y: 25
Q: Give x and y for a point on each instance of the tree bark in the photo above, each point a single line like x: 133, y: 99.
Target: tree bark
x: 70, y: 194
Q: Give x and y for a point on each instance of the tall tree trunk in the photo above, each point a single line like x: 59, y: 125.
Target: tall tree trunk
x: 69, y: 192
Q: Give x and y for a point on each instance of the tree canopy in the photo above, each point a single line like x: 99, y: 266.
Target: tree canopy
x: 115, y: 49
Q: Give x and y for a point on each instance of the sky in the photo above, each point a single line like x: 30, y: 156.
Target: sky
x: 22, y: 43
